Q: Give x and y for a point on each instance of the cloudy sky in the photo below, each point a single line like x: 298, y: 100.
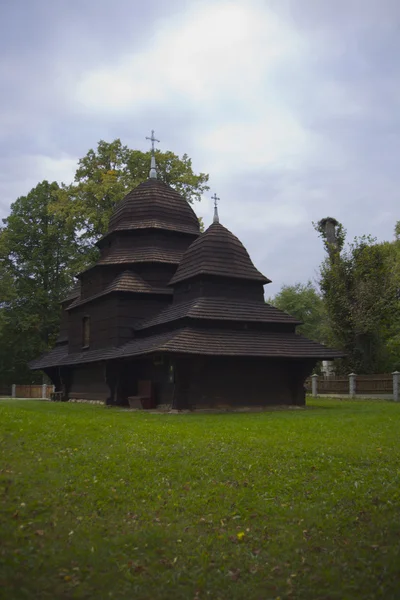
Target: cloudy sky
x: 291, y: 106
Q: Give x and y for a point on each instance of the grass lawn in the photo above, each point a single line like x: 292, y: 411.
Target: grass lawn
x: 101, y: 503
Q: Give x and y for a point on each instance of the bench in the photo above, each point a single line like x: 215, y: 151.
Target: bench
x: 145, y: 396
x: 56, y: 396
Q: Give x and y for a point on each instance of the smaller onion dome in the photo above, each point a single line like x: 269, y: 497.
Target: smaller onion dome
x: 217, y: 252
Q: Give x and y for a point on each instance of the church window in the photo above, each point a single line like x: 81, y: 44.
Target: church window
x: 85, y: 332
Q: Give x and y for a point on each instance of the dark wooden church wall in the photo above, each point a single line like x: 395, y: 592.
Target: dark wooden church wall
x: 154, y: 369
x: 63, y: 333
x: 96, y: 280
x: 132, y: 308
x: 149, y: 238
x: 226, y: 288
x: 156, y: 274
x: 224, y: 381
x: 103, y: 324
x: 112, y: 318
x: 237, y: 325
x: 88, y: 383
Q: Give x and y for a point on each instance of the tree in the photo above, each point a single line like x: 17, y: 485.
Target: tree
x: 397, y: 231
x: 359, y: 284
x: 304, y: 302
x: 39, y: 255
x: 106, y: 175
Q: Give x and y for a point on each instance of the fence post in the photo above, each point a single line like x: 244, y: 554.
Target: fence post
x: 44, y: 390
x: 314, y: 385
x: 396, y: 385
x: 352, y: 384
x: 13, y: 390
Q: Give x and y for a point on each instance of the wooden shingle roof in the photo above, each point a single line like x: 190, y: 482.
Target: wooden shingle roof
x: 204, y: 342
x: 154, y: 204
x: 131, y: 256
x: 50, y: 359
x: 223, y: 342
x: 73, y: 293
x: 223, y: 309
x: 217, y: 252
x: 125, y: 282
x: 138, y: 255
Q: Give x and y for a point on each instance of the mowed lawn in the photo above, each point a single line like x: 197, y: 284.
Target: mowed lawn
x: 107, y: 503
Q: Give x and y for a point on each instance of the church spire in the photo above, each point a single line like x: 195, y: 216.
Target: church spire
x: 216, y: 200
x: 153, y: 168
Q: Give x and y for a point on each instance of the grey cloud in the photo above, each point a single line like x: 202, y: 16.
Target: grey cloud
x: 342, y: 16
x: 346, y: 92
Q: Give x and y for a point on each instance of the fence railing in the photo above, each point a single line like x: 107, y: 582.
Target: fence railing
x: 384, y: 384
x: 339, y: 385
x: 31, y: 391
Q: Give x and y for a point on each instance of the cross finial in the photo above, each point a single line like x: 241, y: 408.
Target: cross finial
x: 152, y: 139
x: 216, y: 200
x: 153, y: 169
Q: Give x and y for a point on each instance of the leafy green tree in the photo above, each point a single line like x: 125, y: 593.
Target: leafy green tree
x: 105, y: 175
x: 39, y: 254
x: 304, y: 302
x: 360, y: 284
x: 7, y: 295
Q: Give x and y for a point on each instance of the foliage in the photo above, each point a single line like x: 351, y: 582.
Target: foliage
x: 360, y: 285
x: 105, y: 175
x: 38, y: 256
x: 338, y: 233
x: 303, y: 302
x: 101, y: 503
x: 397, y: 231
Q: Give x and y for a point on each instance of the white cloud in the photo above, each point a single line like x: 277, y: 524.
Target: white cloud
x: 274, y: 139
x: 18, y: 179
x: 218, y: 48
x: 54, y: 169
x: 219, y: 60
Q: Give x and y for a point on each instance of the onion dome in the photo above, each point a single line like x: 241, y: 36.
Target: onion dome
x: 154, y: 204
x: 217, y: 252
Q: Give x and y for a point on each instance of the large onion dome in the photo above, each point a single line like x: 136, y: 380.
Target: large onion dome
x: 154, y: 204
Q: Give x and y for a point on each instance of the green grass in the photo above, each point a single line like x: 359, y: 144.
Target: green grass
x: 106, y: 503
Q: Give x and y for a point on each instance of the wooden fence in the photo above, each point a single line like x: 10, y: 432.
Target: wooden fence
x: 33, y: 391
x: 374, y: 384
x: 339, y: 385
x: 379, y: 384
x: 5, y: 390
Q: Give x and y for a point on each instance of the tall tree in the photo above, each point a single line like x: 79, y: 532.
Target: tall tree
x: 360, y: 285
x: 304, y: 302
x: 397, y: 231
x: 106, y: 174
x: 39, y: 254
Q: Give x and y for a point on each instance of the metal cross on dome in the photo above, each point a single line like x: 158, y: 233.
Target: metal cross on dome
x: 216, y: 200
x: 153, y: 167
x: 152, y: 139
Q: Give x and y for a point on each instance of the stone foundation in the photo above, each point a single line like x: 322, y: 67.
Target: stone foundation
x: 81, y: 400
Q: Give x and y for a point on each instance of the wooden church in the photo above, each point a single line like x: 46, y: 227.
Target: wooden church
x: 172, y: 316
